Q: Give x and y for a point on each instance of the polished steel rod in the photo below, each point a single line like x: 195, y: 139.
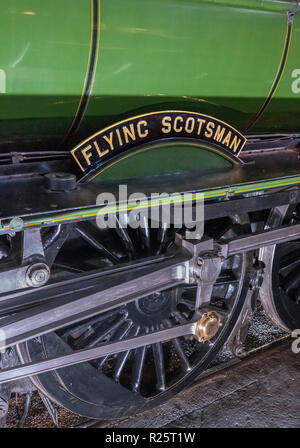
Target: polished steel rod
x: 36, y: 368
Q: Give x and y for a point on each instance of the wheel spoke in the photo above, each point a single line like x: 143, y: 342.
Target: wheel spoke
x: 145, y: 235
x: 97, y: 337
x: 88, y: 237
x: 120, y: 334
x: 101, y: 361
x: 189, y: 303
x: 162, y: 238
x: 289, y: 261
x: 121, y: 361
x: 137, y: 370
x: 181, y: 354
x: 283, y: 271
x: 292, y: 280
x: 178, y: 347
x: 159, y: 366
x: 182, y: 319
x: 125, y: 238
x: 123, y: 357
x: 82, y: 328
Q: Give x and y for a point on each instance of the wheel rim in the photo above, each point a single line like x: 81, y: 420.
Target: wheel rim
x: 286, y: 285
x: 280, y: 290
x: 139, y: 379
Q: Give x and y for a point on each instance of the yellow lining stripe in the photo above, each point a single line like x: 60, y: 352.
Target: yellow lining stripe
x: 279, y: 73
x: 87, y: 70
x: 92, y: 63
x: 217, y: 194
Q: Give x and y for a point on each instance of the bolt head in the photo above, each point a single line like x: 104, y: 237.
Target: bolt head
x: 16, y: 224
x: 37, y: 275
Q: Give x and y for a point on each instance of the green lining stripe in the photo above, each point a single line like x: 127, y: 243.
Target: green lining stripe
x: 93, y: 212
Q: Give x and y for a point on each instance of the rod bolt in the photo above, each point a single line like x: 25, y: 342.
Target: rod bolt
x: 60, y: 182
x: 37, y: 275
x: 16, y: 224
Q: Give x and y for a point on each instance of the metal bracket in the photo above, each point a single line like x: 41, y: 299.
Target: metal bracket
x: 32, y: 245
x: 204, y: 267
x: 207, y: 270
x: 33, y: 272
x: 235, y: 342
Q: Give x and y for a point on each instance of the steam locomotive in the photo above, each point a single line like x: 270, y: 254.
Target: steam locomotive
x: 187, y: 105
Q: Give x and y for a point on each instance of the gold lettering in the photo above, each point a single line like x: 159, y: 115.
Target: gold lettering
x: 226, y: 140
x: 189, y: 128
x: 139, y: 131
x: 166, y: 123
x: 101, y: 154
x: 109, y: 140
x: 119, y: 137
x: 219, y: 133
x: 130, y: 133
x: 236, y: 143
x: 209, y: 129
x: 176, y: 129
x: 201, y: 122
x: 87, y: 155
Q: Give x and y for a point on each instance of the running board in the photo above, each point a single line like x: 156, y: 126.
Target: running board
x: 271, y: 171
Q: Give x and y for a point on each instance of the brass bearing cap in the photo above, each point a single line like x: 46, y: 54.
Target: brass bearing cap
x: 208, y: 326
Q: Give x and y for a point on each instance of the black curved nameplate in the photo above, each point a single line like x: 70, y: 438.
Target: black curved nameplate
x: 97, y: 150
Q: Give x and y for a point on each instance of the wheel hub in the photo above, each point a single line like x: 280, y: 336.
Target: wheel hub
x: 152, y: 310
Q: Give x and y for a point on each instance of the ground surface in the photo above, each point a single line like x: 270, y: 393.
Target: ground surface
x: 261, y: 391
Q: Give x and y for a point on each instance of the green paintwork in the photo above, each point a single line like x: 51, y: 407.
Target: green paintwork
x: 167, y: 158
x: 285, y: 105
x: 44, y: 52
x: 212, y: 56
x: 197, y: 54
